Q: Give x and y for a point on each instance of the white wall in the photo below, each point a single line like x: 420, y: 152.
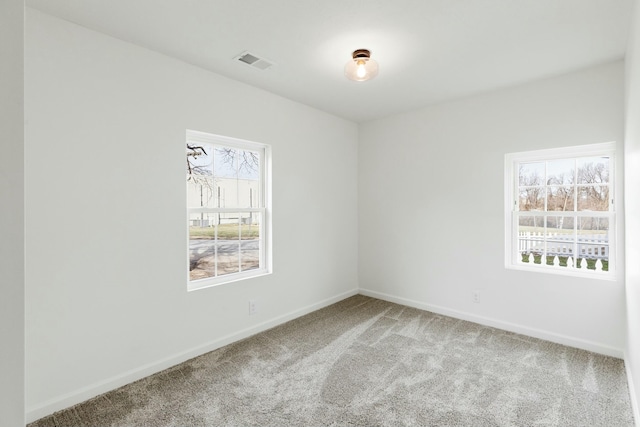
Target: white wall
x: 442, y: 235
x: 11, y: 214
x: 106, y: 271
x: 632, y: 200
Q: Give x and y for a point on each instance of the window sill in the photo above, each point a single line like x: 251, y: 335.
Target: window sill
x: 194, y: 285
x: 564, y: 271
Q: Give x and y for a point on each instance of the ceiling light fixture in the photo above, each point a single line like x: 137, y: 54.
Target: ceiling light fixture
x: 361, y: 68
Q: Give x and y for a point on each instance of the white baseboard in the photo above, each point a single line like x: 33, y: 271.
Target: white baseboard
x: 632, y: 391
x: 507, y: 326
x: 93, y: 390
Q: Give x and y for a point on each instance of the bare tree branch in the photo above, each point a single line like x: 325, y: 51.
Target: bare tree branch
x: 193, y: 152
x: 247, y: 161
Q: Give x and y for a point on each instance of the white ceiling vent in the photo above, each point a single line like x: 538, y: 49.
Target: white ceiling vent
x: 253, y: 61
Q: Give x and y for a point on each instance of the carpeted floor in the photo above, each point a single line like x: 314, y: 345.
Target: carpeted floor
x: 367, y: 362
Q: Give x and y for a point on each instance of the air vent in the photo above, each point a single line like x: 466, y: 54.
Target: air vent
x: 253, y: 61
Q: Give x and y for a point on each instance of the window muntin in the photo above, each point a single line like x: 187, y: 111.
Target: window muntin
x: 227, y: 209
x: 560, y: 213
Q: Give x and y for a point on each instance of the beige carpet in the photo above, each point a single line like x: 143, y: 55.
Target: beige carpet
x: 366, y: 362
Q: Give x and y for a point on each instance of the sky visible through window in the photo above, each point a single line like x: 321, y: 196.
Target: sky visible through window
x: 226, y: 162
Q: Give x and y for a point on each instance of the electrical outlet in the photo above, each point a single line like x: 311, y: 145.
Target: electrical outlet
x: 476, y: 296
x: 253, y: 307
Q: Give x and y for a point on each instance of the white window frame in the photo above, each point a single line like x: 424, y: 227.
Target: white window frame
x: 264, y: 210
x: 513, y: 259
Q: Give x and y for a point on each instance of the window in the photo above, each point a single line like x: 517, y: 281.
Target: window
x: 228, y: 209
x: 560, y: 212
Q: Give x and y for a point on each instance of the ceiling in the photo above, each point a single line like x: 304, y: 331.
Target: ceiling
x: 429, y: 51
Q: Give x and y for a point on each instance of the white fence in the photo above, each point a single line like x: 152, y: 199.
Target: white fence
x: 589, y: 246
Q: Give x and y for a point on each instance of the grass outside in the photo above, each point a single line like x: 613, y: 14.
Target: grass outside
x: 225, y: 232
x: 591, y: 263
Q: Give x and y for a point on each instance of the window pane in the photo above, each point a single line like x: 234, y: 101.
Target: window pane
x: 226, y: 192
x: 249, y: 165
x: 531, y: 224
x: 560, y: 239
x: 559, y: 225
x: 229, y: 228
x: 593, y: 198
x: 250, y: 229
x: 532, y: 199
x: 593, y: 170
x: 199, y: 158
x: 200, y: 182
x: 250, y: 254
x: 248, y: 193
x: 598, y: 227
x: 593, y: 240
x: 228, y: 257
x: 225, y: 162
x: 237, y: 175
x: 237, y: 193
x: 200, y: 191
x: 250, y: 247
x: 202, y: 248
x: 560, y: 172
x: 531, y: 174
x: 530, y: 237
x: 561, y: 246
x: 229, y: 243
x: 560, y: 198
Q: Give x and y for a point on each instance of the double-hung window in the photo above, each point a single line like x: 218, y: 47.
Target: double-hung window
x: 228, y: 209
x: 559, y: 210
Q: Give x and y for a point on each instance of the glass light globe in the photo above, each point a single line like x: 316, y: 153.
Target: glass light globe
x: 361, y: 68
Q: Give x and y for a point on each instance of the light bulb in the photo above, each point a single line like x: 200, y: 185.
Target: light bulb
x: 362, y: 69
